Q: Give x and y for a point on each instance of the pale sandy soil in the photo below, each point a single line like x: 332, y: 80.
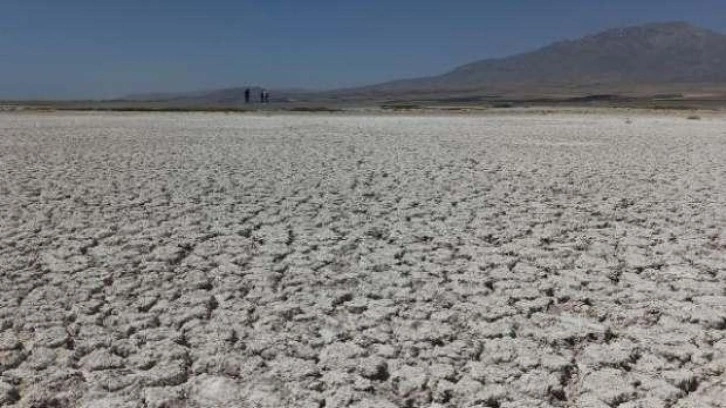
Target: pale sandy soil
x: 211, y: 260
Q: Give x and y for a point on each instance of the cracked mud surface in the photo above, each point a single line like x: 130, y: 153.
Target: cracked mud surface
x: 209, y: 260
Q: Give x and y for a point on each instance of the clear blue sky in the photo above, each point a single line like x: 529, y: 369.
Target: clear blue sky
x: 103, y: 48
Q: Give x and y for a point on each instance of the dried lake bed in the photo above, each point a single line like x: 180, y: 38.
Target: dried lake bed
x: 214, y: 260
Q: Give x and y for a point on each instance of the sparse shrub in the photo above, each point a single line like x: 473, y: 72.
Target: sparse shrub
x: 694, y: 117
x: 671, y: 107
x: 400, y: 106
x: 503, y: 105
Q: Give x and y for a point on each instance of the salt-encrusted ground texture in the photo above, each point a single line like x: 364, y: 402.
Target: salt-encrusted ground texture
x: 210, y: 260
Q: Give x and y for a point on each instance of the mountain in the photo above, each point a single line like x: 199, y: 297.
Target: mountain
x: 648, y: 59
x: 652, y: 54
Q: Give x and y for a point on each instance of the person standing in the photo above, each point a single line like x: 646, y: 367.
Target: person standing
x: 247, y: 95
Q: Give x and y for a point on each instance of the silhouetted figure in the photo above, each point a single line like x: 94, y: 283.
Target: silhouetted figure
x: 267, y: 97
x: 247, y: 95
x: 262, y: 96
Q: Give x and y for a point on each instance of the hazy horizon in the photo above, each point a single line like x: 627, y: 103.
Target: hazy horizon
x: 80, y: 49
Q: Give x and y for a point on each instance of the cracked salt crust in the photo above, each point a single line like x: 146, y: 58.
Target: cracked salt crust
x: 159, y: 260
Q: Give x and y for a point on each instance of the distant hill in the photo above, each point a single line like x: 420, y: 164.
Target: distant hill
x: 221, y: 97
x: 651, y: 54
x: 649, y: 59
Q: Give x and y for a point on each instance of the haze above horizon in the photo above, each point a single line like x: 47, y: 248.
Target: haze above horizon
x: 92, y: 49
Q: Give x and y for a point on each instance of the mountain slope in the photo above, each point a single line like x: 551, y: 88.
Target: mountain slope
x: 649, y: 59
x: 662, y: 53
